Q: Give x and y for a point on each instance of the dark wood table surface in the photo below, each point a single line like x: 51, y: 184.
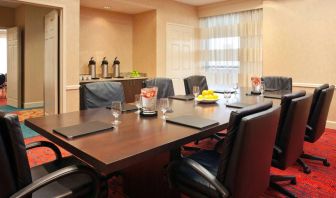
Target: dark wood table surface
x: 136, y: 138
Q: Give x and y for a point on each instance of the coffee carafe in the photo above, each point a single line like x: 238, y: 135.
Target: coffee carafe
x: 92, y: 68
x: 116, y: 68
x: 104, y: 66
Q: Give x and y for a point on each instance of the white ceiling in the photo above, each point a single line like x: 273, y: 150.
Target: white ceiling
x: 9, y: 4
x: 124, y: 6
x: 199, y: 2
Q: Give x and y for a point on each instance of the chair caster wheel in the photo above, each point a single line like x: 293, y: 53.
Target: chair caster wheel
x: 293, y: 181
x: 326, y: 163
x: 307, y: 171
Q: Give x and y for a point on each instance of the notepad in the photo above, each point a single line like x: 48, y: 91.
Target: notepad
x: 192, y: 121
x: 182, y: 97
x: 78, y: 130
x: 238, y: 105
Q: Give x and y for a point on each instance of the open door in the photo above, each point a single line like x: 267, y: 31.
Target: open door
x: 14, y: 67
x: 51, y: 64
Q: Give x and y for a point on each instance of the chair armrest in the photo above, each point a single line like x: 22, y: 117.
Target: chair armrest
x: 54, y: 176
x: 199, y: 169
x: 277, y: 150
x: 48, y: 145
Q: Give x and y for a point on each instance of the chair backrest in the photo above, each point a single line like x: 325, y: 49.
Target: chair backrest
x: 245, y: 164
x: 14, y: 171
x: 195, y: 81
x: 164, y: 85
x: 291, y: 130
x: 277, y: 82
x: 319, y: 113
x: 2, y: 79
x: 100, y: 94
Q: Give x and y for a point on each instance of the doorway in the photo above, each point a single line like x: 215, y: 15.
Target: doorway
x: 3, y: 67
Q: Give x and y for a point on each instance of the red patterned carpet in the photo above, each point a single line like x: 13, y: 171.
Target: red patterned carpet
x: 320, y: 183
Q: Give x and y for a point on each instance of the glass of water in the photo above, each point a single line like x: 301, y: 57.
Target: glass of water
x: 116, y: 110
x: 164, y: 106
x: 227, y: 95
x: 262, y: 88
x: 138, y: 102
x: 196, y: 91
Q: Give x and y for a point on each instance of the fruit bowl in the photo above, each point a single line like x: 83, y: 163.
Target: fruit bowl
x: 207, y: 96
x: 207, y: 100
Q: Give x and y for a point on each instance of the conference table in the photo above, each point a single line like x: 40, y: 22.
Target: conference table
x: 138, y: 146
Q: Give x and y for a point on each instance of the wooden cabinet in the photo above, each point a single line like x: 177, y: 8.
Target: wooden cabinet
x: 132, y: 86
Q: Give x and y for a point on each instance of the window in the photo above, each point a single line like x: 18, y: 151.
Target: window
x: 231, y: 47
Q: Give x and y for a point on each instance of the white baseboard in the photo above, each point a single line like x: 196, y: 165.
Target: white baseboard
x: 33, y: 104
x: 331, y: 125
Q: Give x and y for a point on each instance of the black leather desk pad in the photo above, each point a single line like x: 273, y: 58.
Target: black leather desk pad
x: 78, y: 130
x: 182, y: 97
x: 192, y: 121
x: 238, y: 105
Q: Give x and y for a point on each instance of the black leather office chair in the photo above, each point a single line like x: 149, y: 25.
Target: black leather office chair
x: 195, y: 80
x: 63, y: 177
x: 277, y: 83
x: 164, y: 85
x: 100, y: 94
x: 232, y: 170
x: 317, y: 120
x: 290, y: 136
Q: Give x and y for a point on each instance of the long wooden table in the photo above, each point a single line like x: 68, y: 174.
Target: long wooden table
x: 136, y: 139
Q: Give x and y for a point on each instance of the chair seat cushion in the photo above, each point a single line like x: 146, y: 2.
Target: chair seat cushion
x: 187, y: 178
x: 71, y: 186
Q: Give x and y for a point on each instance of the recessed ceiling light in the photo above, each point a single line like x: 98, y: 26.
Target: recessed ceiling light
x: 107, y: 7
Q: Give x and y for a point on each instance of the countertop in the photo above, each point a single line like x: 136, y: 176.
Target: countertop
x: 111, y: 79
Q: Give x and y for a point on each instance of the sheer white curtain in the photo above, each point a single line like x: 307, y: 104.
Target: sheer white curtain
x: 231, y: 48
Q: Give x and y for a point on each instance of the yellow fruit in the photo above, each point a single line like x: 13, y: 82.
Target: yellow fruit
x: 200, y: 97
x: 208, y: 97
x: 215, y: 96
x: 210, y: 91
x: 204, y: 92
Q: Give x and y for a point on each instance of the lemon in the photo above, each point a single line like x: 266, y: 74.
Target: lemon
x: 200, y: 97
x: 215, y: 96
x: 208, y: 97
x: 204, y: 92
x: 210, y: 92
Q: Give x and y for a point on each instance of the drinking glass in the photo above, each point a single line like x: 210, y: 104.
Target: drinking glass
x: 262, y: 88
x: 196, y: 91
x: 164, y: 106
x: 138, y: 102
x: 235, y: 88
x: 227, y: 95
x: 116, y: 109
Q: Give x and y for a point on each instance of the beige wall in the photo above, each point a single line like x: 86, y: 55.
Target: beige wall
x: 69, y: 52
x: 144, y: 42
x: 171, y: 12
x: 104, y: 33
x: 7, y: 17
x: 299, y: 41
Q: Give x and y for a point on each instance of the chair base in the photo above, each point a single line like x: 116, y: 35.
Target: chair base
x: 306, y: 168
x: 316, y: 158
x: 277, y: 187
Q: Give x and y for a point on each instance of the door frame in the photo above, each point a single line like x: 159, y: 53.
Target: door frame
x: 62, y: 50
